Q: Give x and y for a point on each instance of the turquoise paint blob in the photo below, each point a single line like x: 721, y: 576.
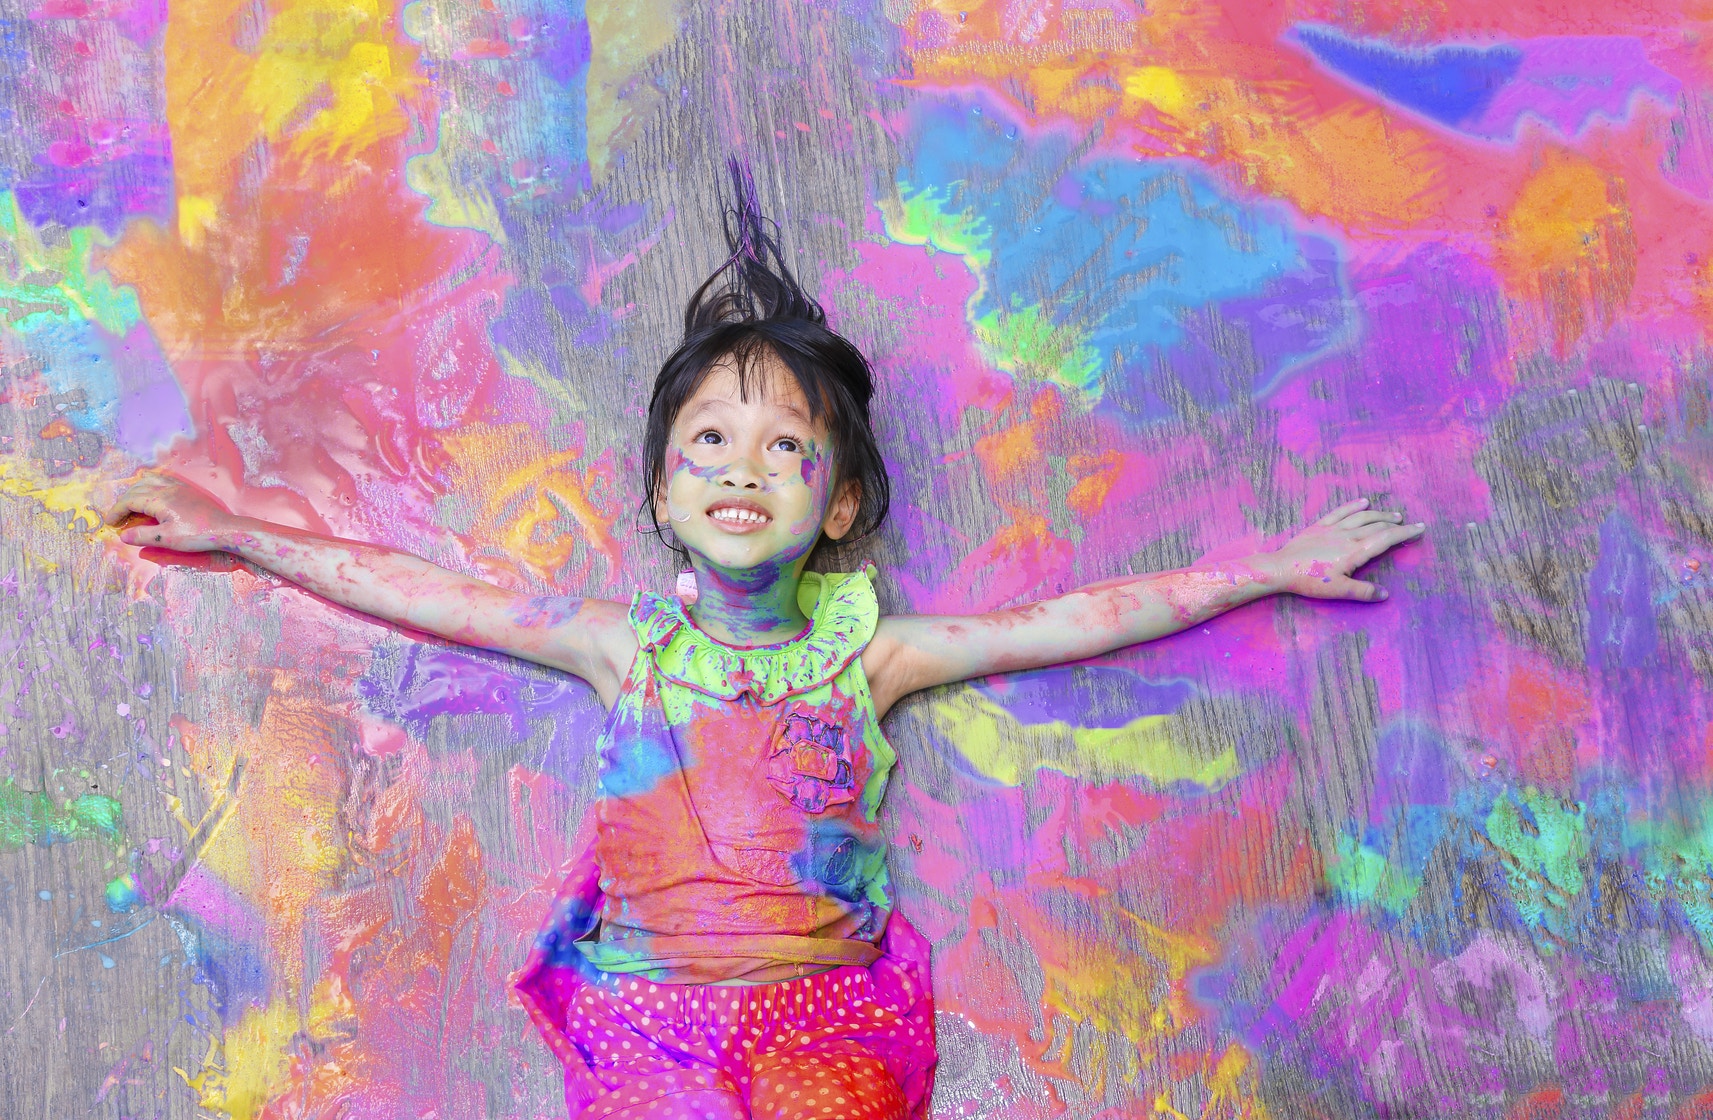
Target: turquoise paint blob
x: 123, y: 895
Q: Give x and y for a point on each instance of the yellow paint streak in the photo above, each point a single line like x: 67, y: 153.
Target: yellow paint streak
x: 196, y: 216
x: 283, y: 844
x: 1233, y: 1094
x: 452, y: 204
x: 251, y: 1063
x: 74, y: 496
x: 525, y: 494
x: 1158, y: 86
x: 328, y: 74
x: 623, y: 35
x: 1005, y: 750
x: 1141, y: 994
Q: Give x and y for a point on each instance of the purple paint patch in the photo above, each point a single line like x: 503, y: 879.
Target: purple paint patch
x: 1567, y: 81
x: 1621, y: 628
x: 152, y: 411
x: 1119, y: 695
x: 103, y: 193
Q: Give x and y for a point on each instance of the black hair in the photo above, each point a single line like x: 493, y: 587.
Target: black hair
x: 751, y: 307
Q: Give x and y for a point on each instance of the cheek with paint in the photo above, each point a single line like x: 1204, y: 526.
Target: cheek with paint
x: 680, y: 465
x: 812, y: 474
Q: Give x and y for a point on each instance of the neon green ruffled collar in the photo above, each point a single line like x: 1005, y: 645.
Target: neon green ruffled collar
x: 843, y: 613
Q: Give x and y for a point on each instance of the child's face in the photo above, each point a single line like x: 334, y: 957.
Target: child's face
x: 750, y: 482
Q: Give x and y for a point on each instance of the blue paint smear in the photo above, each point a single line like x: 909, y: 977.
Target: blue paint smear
x: 1622, y: 632
x: 638, y: 762
x: 1118, y: 251
x: 1451, y: 84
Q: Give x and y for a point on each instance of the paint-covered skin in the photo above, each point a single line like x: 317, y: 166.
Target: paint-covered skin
x: 588, y: 638
x: 749, y: 491
x: 915, y: 652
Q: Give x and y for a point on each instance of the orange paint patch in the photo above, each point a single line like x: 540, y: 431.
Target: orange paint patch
x: 1567, y: 243
x: 547, y: 513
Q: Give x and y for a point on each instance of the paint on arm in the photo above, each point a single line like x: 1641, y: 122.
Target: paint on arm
x: 553, y: 630
x: 913, y: 652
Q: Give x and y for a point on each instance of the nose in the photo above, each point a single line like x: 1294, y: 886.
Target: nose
x: 741, y: 475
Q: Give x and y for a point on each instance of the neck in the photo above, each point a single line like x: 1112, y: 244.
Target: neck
x: 748, y: 606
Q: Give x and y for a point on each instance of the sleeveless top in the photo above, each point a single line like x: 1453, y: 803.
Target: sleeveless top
x: 737, y: 819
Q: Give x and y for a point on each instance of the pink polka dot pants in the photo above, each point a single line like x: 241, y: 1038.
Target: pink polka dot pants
x: 825, y: 1047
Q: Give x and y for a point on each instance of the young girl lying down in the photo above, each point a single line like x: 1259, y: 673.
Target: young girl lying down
x: 729, y: 946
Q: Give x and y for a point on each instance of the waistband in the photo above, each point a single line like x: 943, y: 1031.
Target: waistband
x: 762, y: 958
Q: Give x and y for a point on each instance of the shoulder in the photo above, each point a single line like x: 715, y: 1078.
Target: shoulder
x: 886, y: 658
x: 613, y: 644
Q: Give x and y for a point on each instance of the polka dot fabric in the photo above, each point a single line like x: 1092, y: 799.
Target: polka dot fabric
x: 833, y: 1046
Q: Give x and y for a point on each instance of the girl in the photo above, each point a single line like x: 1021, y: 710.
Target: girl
x: 728, y: 947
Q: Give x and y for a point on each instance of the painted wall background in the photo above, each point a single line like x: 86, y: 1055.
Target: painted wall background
x: 1141, y: 281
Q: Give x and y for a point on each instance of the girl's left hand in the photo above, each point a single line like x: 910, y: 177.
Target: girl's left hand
x: 1317, y: 562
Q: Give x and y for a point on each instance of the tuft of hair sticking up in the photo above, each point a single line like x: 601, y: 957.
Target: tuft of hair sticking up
x: 752, y: 308
x: 755, y: 282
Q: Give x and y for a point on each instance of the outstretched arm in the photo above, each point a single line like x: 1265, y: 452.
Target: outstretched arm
x: 911, y: 652
x: 588, y: 637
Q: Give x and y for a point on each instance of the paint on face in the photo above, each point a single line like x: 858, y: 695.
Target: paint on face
x: 747, y: 491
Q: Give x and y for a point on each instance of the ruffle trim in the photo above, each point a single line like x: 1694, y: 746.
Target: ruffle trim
x: 843, y: 612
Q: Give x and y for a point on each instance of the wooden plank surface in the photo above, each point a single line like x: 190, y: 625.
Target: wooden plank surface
x: 1140, y: 284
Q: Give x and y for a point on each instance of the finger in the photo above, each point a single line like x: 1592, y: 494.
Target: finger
x: 1364, y: 533
x: 1347, y: 508
x: 1386, y: 539
x: 131, y: 505
x: 1370, y: 517
x: 1359, y: 589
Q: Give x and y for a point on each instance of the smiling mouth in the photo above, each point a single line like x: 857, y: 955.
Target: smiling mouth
x: 738, y: 518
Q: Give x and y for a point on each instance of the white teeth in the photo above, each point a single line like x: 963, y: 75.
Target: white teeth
x: 739, y: 515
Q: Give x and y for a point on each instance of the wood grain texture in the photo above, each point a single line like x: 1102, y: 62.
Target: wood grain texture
x: 1139, y: 284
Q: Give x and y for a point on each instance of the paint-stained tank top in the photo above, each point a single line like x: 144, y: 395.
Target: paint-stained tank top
x: 737, y: 833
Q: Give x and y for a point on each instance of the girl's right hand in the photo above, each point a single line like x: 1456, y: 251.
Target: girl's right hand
x: 186, y: 518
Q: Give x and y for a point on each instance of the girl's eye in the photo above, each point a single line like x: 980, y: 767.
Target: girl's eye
x: 788, y: 445
x: 711, y: 437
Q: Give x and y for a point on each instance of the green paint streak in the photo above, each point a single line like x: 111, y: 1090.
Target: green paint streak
x: 33, y: 818
x: 1548, y: 842
x: 1362, y: 876
x: 1026, y: 343
x: 55, y: 283
x: 1003, y: 749
x: 923, y: 219
x: 1677, y: 862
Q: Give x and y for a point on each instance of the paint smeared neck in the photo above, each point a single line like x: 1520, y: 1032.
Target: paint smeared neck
x: 749, y: 606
